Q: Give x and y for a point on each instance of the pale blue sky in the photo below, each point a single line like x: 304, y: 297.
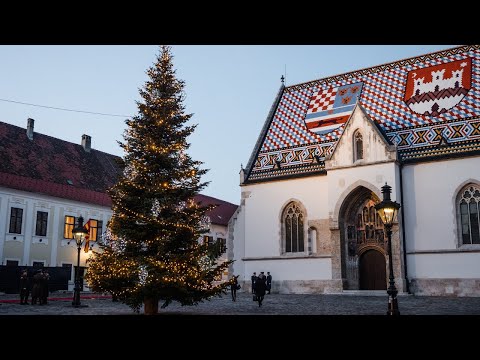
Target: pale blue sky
x: 230, y: 90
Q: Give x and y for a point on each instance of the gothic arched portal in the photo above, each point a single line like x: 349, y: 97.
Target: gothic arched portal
x: 361, y: 231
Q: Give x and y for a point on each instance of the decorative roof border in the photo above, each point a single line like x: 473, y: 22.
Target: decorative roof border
x: 287, y: 173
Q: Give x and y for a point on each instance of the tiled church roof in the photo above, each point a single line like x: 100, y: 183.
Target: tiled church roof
x: 58, y: 168
x: 418, y: 103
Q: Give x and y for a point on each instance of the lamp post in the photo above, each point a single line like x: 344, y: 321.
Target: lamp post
x: 79, y: 234
x: 387, y: 210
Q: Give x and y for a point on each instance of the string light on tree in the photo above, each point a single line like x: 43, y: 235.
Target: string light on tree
x: 151, y: 252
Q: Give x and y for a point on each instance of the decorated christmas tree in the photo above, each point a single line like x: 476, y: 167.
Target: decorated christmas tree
x: 151, y: 251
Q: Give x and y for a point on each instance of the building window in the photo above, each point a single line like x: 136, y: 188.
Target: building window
x: 16, y: 220
x: 95, y: 229
x: 41, y: 228
x: 469, y: 210
x: 222, y: 245
x: 207, y: 240
x: 358, y: 146
x: 293, y: 219
x: 68, y: 227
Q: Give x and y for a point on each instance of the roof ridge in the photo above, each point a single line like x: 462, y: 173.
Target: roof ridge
x: 372, y: 67
x: 217, y: 199
x: 55, y: 138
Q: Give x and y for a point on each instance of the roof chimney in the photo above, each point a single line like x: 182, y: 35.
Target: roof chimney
x: 86, y: 142
x: 30, y: 128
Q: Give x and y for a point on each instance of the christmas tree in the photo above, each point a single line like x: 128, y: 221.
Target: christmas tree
x: 151, y: 251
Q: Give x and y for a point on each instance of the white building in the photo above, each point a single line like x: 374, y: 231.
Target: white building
x: 46, y: 184
x: 306, y: 212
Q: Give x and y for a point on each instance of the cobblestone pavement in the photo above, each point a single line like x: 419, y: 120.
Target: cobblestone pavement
x: 274, y: 304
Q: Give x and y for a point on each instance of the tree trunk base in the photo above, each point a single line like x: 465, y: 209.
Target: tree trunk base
x: 150, y: 306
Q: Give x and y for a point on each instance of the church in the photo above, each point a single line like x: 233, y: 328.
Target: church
x: 308, y: 192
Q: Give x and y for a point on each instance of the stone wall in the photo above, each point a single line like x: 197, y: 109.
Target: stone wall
x: 445, y: 287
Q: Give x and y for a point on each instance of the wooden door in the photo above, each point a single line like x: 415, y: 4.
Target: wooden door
x: 373, y: 274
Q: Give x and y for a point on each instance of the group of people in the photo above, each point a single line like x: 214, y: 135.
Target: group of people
x: 38, y: 285
x: 261, y: 285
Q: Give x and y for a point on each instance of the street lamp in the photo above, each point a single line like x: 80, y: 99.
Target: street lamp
x: 387, y: 210
x: 79, y: 234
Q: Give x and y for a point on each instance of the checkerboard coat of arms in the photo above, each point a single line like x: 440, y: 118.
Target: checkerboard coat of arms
x: 436, y: 89
x: 330, y: 108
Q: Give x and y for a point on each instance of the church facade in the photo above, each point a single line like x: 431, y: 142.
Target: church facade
x: 326, y: 149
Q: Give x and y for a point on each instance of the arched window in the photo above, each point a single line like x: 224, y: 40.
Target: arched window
x: 293, y: 220
x: 469, y: 210
x: 357, y: 146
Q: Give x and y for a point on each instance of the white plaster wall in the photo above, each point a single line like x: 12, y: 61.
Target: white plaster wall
x: 238, y: 223
x: 456, y: 265
x: 264, y: 206
x: 430, y: 191
x: 53, y: 250
x: 292, y: 269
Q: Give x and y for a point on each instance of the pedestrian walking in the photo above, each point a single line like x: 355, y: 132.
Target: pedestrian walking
x: 269, y: 281
x: 260, y: 287
x: 254, y: 280
x: 234, y: 287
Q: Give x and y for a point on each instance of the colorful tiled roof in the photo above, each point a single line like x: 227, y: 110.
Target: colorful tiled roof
x: 416, y: 102
x: 55, y: 167
x: 221, y: 214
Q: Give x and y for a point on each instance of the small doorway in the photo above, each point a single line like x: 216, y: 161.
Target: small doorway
x: 373, y: 274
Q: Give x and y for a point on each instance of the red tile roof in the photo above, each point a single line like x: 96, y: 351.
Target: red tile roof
x: 53, y: 189
x: 45, y: 165
x: 48, y: 165
x: 222, y: 213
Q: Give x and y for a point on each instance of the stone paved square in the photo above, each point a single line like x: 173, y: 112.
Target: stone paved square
x: 274, y: 304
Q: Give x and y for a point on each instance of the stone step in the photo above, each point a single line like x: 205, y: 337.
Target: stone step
x: 367, y: 293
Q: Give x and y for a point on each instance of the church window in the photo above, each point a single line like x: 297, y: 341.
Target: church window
x: 293, y: 220
x: 469, y: 209
x: 358, y: 146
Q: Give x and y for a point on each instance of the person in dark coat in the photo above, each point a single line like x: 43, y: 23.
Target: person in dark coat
x: 234, y: 287
x: 269, y: 281
x: 260, y: 287
x: 37, y: 287
x: 254, y: 280
x: 45, y: 280
x: 24, y: 287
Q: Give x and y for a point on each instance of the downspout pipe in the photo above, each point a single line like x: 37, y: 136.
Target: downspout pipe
x: 403, y: 228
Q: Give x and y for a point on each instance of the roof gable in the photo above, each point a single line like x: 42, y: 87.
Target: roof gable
x: 414, y: 102
x: 376, y: 147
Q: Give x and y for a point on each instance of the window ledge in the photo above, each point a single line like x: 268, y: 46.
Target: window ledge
x: 69, y: 242
x: 461, y: 249
x: 283, y: 257
x: 42, y: 240
x: 14, y: 237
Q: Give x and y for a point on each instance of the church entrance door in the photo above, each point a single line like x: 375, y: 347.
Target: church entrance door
x: 373, y: 271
